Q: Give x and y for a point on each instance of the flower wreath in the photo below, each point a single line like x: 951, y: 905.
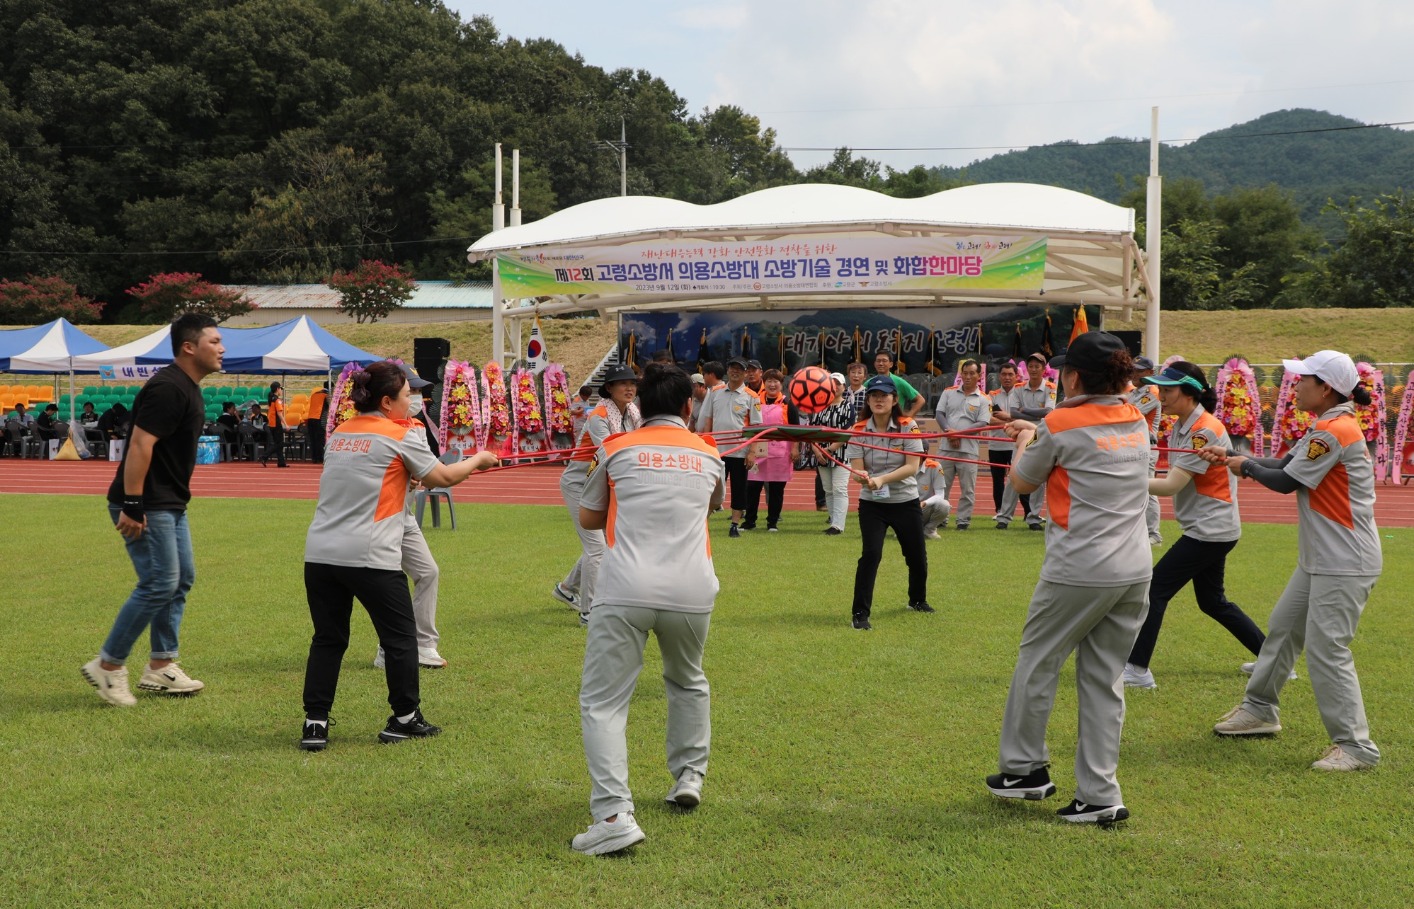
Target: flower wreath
x: 463, y: 424
x: 1372, y: 416
x: 1290, y: 423
x: 341, y: 406
x: 526, y: 405
x: 1239, y: 402
x: 557, y: 400
x: 498, y: 408
x: 1401, y: 431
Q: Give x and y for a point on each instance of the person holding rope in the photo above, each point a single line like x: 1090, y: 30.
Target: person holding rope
x: 354, y: 549
x: 651, y: 491
x: 1205, y: 504
x: 1147, y: 400
x: 1030, y: 401
x: 728, y: 409
x: 617, y: 412
x: 834, y: 476
x: 1092, y: 593
x: 1338, y: 562
x: 959, y: 410
x: 885, y: 454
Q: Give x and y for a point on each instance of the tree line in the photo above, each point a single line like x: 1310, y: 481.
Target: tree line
x: 282, y: 141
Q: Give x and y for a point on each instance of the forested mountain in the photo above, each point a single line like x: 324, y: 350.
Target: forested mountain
x: 279, y: 140
x: 1313, y: 155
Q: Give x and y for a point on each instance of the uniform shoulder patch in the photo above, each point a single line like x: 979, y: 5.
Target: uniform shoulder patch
x: 1317, y: 449
x: 1198, y: 441
x: 593, y: 465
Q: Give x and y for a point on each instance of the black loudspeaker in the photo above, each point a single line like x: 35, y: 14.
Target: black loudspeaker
x: 1132, y: 340
x: 429, y: 357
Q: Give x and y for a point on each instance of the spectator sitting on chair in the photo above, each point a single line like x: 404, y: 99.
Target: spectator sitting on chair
x: 255, y: 429
x: 23, y: 417
x: 88, y: 417
x: 114, y: 422
x: 46, y: 424
x: 228, y: 425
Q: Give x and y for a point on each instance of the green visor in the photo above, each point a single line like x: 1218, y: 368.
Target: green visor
x: 1171, y: 376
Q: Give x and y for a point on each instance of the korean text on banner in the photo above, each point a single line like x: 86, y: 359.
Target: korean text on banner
x: 806, y: 264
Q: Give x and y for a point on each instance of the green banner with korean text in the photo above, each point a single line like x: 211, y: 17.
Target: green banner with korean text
x: 802, y: 264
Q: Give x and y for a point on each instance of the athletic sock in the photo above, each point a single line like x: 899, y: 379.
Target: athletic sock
x: 407, y: 719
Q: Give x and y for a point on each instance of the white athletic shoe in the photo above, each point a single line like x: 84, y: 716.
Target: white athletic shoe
x: 931, y: 533
x: 378, y: 659
x: 170, y: 679
x: 1337, y: 760
x: 1250, y: 668
x: 429, y: 658
x: 606, y: 836
x: 112, y: 684
x: 1238, y: 721
x: 687, y: 792
x: 1134, y: 677
x: 564, y: 596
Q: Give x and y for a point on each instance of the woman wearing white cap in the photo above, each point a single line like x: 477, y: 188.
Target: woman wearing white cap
x: 1338, y: 563
x: 1205, y: 504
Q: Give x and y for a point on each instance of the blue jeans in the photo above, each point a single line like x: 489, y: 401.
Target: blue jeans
x: 165, y: 570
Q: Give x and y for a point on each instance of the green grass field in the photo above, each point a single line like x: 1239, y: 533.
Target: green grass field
x: 846, y: 769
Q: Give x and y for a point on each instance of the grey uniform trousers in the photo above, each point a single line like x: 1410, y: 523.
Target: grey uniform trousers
x: 1319, y: 612
x: 613, y: 658
x: 966, y: 475
x: 585, y: 570
x: 1098, y: 624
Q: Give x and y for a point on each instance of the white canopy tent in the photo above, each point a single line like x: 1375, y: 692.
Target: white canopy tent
x: 1090, y: 253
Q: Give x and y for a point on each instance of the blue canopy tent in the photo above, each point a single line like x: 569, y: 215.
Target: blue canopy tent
x: 51, y: 348
x: 297, y: 346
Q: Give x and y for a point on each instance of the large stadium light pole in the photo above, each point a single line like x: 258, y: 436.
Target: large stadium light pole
x: 1153, y: 227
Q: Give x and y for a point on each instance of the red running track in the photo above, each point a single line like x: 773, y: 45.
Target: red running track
x: 539, y: 485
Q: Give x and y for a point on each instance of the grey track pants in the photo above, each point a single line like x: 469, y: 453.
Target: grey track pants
x: 613, y: 658
x: 1099, y: 625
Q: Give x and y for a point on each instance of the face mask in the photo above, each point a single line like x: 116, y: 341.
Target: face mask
x: 414, y: 406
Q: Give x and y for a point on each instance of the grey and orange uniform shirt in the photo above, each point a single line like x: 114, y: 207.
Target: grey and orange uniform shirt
x: 658, y: 484
x: 889, y: 452
x: 1336, y: 532
x: 1206, y: 508
x: 596, y: 430
x: 956, y: 411
x: 1092, y: 452
x: 368, y: 463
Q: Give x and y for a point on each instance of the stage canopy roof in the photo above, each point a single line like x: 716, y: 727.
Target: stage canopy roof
x: 1087, y: 252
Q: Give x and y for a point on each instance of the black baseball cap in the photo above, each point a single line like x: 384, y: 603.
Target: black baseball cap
x: 1092, y: 351
x: 415, y: 381
x: 736, y: 361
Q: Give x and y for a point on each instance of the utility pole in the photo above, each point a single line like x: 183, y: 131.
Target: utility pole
x: 621, y: 147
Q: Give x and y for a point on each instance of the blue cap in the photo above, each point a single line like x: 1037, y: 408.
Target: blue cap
x: 881, y: 383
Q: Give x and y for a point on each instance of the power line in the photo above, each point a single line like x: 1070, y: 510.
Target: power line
x: 213, y: 252
x: 1207, y: 138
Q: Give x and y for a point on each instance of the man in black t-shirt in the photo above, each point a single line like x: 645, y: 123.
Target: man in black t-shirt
x: 147, y: 503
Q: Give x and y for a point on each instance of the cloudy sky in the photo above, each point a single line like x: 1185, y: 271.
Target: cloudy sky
x: 908, y: 81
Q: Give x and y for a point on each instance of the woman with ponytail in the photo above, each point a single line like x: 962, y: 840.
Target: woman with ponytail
x: 1205, y: 505
x: 1338, y: 562
x: 354, y: 549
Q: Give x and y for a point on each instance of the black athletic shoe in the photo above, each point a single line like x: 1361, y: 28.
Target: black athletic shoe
x: 1033, y: 786
x: 735, y: 531
x: 861, y: 623
x: 1036, y: 526
x: 833, y: 531
x: 963, y: 527
x: 748, y: 526
x: 1078, y: 812
x: 316, y: 735
x: 921, y: 607
x: 400, y: 732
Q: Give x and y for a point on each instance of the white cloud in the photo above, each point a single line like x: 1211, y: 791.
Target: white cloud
x: 724, y: 16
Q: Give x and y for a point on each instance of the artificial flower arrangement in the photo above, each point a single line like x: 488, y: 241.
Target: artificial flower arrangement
x: 498, y: 408
x: 1290, y: 423
x: 526, y: 406
x: 1401, y: 431
x: 557, y: 400
x: 1239, y: 402
x: 1372, y: 416
x: 341, y: 406
x: 463, y: 424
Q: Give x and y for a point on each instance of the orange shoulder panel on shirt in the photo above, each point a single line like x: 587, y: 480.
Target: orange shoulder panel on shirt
x: 658, y: 435
x: 1345, y: 428
x: 1063, y: 418
x: 378, y: 426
